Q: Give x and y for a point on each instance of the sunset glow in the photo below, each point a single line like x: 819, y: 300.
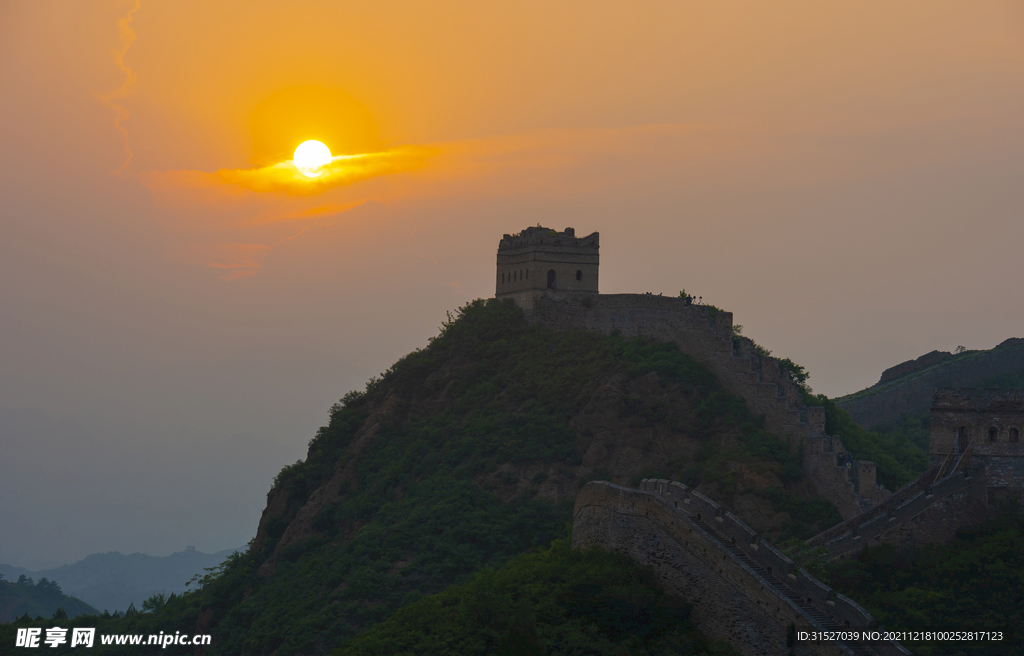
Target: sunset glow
x: 219, y: 218
x: 310, y: 157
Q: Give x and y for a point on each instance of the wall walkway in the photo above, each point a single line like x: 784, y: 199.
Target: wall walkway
x: 944, y: 503
x: 741, y: 588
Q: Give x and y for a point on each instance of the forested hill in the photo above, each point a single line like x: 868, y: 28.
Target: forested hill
x: 906, y: 390
x: 463, y: 455
x: 113, y: 581
x: 42, y: 598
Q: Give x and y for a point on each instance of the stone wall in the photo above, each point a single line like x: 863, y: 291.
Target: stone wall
x: 706, y: 335
x: 912, y: 395
x: 853, y: 489
x: 700, y: 332
x: 741, y: 588
x: 922, y: 512
x: 990, y: 421
x: 910, y: 366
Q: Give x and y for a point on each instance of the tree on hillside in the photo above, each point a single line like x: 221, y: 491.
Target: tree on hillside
x: 154, y: 603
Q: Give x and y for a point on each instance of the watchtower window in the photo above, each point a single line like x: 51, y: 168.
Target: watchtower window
x: 579, y: 274
x: 993, y: 434
x: 551, y: 278
x: 503, y: 278
x: 961, y: 439
x: 1014, y: 435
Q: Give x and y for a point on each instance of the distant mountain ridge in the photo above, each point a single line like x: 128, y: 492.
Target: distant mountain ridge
x: 42, y: 598
x: 907, y: 388
x: 111, y: 581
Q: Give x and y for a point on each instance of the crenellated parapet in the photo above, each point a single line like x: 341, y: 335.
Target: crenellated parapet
x: 706, y: 334
x: 924, y: 511
x: 741, y: 587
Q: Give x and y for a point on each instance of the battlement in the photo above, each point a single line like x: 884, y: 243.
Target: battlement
x: 852, y: 485
x: 978, y: 399
x: 741, y: 587
x: 549, y: 238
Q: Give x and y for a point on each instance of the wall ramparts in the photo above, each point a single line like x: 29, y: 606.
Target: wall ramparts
x: 888, y: 522
x: 853, y: 489
x: 700, y: 332
x: 732, y: 581
x: 706, y: 335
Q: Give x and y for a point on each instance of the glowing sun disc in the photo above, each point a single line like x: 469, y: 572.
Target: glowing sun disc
x: 310, y: 157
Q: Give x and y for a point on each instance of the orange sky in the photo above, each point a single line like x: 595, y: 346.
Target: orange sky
x: 845, y: 177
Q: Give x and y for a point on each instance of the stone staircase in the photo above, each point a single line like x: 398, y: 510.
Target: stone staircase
x: 824, y: 621
x: 823, y: 608
x: 908, y: 502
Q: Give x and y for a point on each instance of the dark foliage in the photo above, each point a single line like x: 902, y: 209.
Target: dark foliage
x: 976, y: 582
x: 552, y: 602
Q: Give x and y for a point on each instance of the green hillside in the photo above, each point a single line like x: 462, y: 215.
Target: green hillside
x: 976, y: 582
x: 38, y: 599
x: 464, y: 455
x: 916, y: 427
x: 553, y: 602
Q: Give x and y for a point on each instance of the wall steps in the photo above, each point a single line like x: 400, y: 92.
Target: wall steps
x: 904, y: 505
x: 823, y: 608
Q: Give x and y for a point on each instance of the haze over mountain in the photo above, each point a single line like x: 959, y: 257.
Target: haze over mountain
x: 845, y: 177
x: 111, y: 581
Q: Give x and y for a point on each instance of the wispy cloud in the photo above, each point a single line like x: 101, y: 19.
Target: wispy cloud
x: 126, y: 36
x: 284, y: 178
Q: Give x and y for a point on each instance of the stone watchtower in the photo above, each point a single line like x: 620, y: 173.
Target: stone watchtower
x: 985, y: 425
x: 539, y: 261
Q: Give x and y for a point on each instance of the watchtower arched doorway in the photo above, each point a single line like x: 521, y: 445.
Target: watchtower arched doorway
x: 961, y: 439
x: 551, y: 278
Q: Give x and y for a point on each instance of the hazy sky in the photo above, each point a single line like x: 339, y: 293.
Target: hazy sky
x: 178, y: 311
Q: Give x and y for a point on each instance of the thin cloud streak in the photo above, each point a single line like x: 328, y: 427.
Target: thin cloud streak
x: 126, y: 36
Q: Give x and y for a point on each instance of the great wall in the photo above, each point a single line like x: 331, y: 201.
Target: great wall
x: 706, y: 335
x: 740, y: 587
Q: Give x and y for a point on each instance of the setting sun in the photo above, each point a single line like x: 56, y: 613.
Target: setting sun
x: 310, y: 157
